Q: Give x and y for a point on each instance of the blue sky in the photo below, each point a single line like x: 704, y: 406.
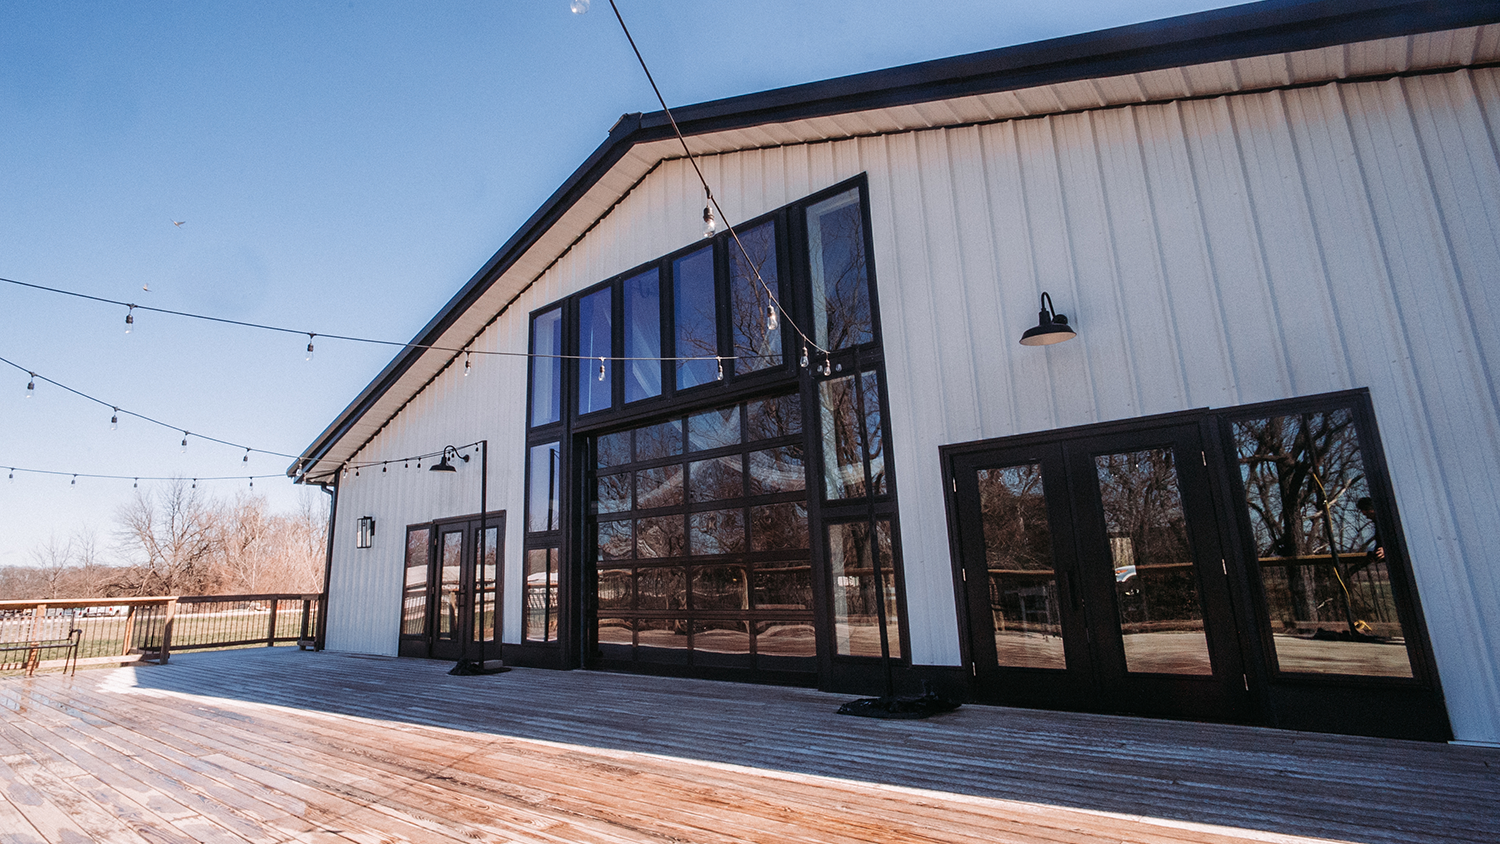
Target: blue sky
x: 341, y: 168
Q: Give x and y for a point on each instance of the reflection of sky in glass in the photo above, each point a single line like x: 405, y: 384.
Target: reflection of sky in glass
x: 546, y: 372
x: 642, y: 336
x: 541, y: 502
x: 697, y: 324
x: 714, y: 429
x: 594, y: 314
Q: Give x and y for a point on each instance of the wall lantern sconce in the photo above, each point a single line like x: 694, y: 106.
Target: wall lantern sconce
x: 1051, y: 327
x: 366, y: 534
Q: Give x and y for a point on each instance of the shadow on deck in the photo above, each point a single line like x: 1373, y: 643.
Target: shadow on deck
x: 585, y: 756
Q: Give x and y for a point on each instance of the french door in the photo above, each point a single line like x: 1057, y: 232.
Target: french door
x: 450, y: 605
x: 1095, y: 578
x: 1242, y: 565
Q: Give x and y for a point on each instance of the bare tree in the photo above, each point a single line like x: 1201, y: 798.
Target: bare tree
x: 169, y: 534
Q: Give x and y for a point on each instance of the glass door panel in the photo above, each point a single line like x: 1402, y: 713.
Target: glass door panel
x: 1020, y: 574
x: 487, y: 586
x: 450, y: 583
x: 1157, y: 604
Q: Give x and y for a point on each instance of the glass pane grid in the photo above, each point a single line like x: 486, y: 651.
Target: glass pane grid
x: 691, y: 566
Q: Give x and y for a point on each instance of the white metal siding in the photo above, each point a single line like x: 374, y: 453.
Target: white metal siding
x: 1210, y: 252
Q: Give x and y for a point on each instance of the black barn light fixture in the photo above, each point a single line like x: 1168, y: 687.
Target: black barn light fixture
x: 443, y: 465
x: 1051, y: 327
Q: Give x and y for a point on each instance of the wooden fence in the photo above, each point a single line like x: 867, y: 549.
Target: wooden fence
x: 149, y: 629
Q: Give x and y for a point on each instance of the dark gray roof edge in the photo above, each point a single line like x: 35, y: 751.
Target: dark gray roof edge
x: 1273, y: 26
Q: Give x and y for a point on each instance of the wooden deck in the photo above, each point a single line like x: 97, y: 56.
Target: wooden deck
x: 278, y: 745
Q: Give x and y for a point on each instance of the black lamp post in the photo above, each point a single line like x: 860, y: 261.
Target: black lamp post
x: 465, y: 666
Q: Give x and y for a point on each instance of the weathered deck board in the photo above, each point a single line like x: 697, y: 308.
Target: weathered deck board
x: 280, y: 745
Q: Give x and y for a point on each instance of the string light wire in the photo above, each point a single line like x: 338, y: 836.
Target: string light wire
x: 368, y: 340
x: 116, y: 412
x: 708, y: 192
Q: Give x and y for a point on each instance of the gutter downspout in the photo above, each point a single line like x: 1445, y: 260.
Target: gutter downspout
x: 321, y: 639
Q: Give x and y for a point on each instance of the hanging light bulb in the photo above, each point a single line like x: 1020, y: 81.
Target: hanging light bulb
x: 709, y: 223
x: 466, y: 364
x: 137, y: 484
x: 252, y: 483
x: 12, y: 473
x: 771, y: 319
x: 827, y: 368
x: 130, y: 319
x: 310, y: 337
x: 195, y: 483
x: 114, y: 419
x: 721, y: 368
x: 382, y: 468
x: 804, y: 356
x: 246, y: 458
x: 73, y: 482
x: 356, y: 471
x: 601, y: 369
x: 31, y: 385
x: 184, y: 441
x: 579, y: 6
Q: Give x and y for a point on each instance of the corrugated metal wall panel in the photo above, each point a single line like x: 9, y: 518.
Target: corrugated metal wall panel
x: 1211, y: 253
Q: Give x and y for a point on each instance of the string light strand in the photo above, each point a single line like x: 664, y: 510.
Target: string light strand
x: 116, y: 412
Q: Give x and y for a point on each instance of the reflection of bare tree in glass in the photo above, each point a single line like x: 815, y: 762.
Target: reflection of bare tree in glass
x: 716, y: 479
x: 1018, y: 555
x: 1303, y: 477
x: 662, y: 536
x: 844, y: 420
x: 657, y: 441
x: 716, y: 532
x: 720, y: 588
x: 756, y: 346
x: 841, y: 293
x: 778, y: 526
x: 1148, y: 529
x: 775, y: 417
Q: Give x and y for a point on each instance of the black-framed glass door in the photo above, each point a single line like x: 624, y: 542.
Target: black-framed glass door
x: 1244, y: 564
x: 1094, y: 577
x: 451, y: 595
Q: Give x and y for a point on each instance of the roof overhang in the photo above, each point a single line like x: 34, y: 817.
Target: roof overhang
x: 1259, y: 46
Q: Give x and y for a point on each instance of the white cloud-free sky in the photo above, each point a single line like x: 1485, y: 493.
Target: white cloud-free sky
x: 342, y: 168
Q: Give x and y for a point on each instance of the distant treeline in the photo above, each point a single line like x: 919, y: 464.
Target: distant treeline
x: 177, y: 540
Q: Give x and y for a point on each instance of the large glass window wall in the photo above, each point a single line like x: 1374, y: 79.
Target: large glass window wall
x: 696, y: 486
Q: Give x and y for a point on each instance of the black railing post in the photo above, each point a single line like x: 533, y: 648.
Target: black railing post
x: 271, y: 625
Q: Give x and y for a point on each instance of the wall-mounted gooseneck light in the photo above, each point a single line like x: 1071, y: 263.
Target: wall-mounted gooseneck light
x: 444, y: 465
x: 1051, y: 327
x: 365, y: 537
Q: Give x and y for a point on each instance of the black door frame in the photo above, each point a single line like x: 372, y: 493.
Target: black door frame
x: 1096, y: 678
x: 462, y: 644
x: 1362, y: 705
